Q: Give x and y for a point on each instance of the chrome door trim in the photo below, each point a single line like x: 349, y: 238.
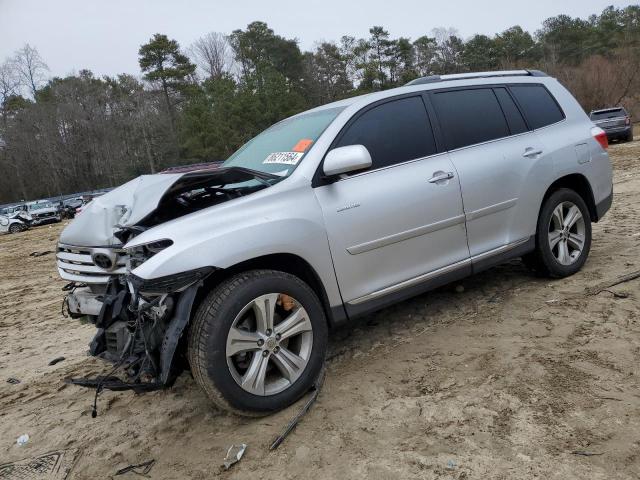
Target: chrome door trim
x: 498, y: 207
x: 406, y: 235
x: 410, y: 282
x: 496, y: 251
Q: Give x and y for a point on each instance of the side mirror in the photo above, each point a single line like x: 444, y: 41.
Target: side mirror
x: 346, y: 159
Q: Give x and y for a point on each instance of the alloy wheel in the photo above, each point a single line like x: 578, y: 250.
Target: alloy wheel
x: 566, y: 233
x: 269, y: 344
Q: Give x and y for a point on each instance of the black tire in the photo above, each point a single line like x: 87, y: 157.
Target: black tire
x: 629, y: 137
x: 208, y: 336
x: 542, y: 260
x: 15, y: 228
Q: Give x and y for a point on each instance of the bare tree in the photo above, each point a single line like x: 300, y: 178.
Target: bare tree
x: 31, y: 68
x: 9, y: 81
x: 212, y: 54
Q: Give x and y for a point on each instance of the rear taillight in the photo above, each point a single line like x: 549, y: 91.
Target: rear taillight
x: 627, y: 121
x: 600, y: 136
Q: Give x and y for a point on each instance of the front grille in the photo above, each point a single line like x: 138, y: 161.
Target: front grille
x: 76, y: 263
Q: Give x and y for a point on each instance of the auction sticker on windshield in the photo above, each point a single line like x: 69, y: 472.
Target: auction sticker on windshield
x: 303, y: 145
x: 284, y: 158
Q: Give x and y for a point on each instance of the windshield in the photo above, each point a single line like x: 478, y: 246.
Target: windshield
x: 611, y: 113
x: 280, y: 148
x: 38, y: 206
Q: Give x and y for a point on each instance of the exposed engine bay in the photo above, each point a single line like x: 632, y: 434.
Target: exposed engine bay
x: 140, y: 322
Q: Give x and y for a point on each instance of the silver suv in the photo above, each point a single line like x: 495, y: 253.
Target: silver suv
x: 238, y: 271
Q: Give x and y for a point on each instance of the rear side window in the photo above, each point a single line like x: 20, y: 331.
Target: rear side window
x: 514, y: 117
x: 537, y: 104
x: 469, y: 116
x: 393, y: 132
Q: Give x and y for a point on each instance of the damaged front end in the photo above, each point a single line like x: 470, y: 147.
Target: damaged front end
x: 139, y: 325
x: 139, y: 321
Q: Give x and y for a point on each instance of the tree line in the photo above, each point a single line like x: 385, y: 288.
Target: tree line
x: 81, y: 132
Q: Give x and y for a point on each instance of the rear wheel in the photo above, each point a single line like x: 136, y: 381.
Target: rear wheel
x: 563, y: 237
x: 629, y: 137
x: 258, y: 342
x: 15, y: 228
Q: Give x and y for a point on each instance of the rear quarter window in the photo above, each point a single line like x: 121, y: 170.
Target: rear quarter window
x: 514, y: 117
x: 539, y: 107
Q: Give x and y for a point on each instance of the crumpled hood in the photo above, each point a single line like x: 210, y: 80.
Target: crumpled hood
x: 136, y: 200
x: 123, y: 206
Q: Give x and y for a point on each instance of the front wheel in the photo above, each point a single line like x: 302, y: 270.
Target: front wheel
x: 258, y: 342
x: 563, y: 237
x: 15, y: 228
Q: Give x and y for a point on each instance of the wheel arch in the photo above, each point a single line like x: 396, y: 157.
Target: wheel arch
x: 283, y: 262
x: 579, y: 184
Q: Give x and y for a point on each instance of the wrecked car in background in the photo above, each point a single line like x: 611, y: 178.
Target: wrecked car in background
x: 14, y: 221
x: 43, y: 212
x: 239, y: 269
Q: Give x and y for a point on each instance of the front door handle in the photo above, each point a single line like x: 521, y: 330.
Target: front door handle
x: 531, y: 153
x: 440, y: 176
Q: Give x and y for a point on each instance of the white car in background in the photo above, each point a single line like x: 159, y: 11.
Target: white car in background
x: 15, y: 222
x: 43, y: 212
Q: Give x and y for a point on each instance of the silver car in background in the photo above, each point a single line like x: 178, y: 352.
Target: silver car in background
x: 239, y: 270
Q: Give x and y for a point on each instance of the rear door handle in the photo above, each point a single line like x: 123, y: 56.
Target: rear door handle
x: 530, y: 152
x: 440, y: 176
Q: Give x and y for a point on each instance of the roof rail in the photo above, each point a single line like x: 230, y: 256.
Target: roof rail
x: 463, y: 76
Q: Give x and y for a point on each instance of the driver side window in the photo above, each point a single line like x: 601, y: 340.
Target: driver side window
x: 393, y: 132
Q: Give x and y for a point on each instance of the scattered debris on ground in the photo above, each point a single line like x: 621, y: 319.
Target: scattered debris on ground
x: 49, y: 466
x: 303, y: 411
x: 139, y: 469
x: 586, y: 454
x: 234, y: 454
x: 41, y: 254
x: 56, y: 360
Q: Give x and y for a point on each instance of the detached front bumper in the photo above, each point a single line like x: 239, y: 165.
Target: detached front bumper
x: 83, y: 301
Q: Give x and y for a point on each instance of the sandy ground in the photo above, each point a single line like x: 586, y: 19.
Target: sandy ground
x: 503, y: 380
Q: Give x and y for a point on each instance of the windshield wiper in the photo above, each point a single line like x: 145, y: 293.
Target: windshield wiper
x: 256, y: 173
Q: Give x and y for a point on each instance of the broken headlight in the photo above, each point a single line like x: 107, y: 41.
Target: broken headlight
x: 140, y: 254
x: 170, y: 283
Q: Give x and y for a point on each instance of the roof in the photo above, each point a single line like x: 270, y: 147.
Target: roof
x: 470, y: 75
x: 431, y: 79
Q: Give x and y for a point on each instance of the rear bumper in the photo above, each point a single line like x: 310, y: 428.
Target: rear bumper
x: 618, y: 132
x: 604, y: 206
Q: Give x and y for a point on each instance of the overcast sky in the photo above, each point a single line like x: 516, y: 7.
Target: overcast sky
x: 104, y: 36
